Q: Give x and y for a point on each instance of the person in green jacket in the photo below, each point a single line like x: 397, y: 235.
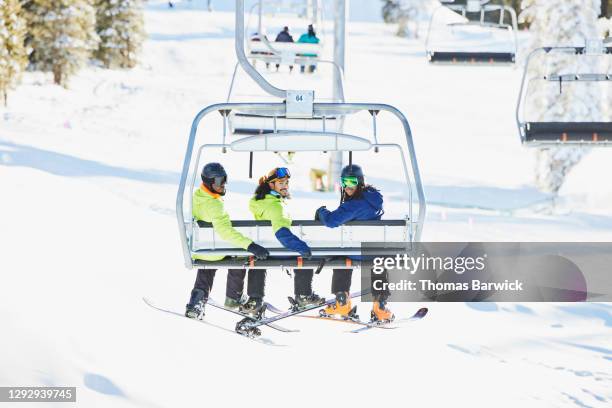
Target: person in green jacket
x: 310, y: 38
x: 208, y: 207
x: 268, y: 203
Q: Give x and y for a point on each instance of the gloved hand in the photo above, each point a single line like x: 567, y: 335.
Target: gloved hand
x: 317, y: 218
x: 306, y: 254
x: 260, y: 252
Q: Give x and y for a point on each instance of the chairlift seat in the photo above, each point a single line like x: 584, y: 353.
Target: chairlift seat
x: 563, y: 132
x: 471, y: 57
x: 345, y: 240
x: 284, y: 52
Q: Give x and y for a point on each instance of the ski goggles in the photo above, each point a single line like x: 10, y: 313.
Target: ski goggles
x: 278, y: 173
x: 349, y: 181
x: 219, y: 181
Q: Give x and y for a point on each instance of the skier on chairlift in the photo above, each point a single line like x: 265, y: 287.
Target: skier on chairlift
x: 208, y: 206
x: 358, y: 201
x: 284, y: 36
x: 268, y: 203
x: 309, y: 38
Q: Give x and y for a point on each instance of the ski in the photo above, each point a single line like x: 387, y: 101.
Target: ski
x: 368, y: 325
x: 261, y: 340
x: 213, y: 303
x: 394, y: 324
x: 249, y: 325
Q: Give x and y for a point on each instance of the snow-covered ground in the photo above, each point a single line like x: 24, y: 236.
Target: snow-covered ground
x: 89, y: 176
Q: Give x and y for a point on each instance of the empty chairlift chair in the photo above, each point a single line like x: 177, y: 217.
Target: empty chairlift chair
x: 473, y: 50
x: 570, y: 70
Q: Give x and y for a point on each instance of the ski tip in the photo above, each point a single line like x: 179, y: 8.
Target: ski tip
x: 421, y: 312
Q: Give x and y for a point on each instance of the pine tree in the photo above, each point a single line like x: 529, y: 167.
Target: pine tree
x: 62, y: 36
x: 120, y: 25
x: 570, y: 22
x: 13, y: 53
x: 403, y: 12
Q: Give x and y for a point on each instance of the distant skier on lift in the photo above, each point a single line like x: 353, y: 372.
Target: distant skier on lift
x: 358, y: 201
x: 284, y: 36
x: 208, y: 206
x: 268, y: 203
x: 309, y: 38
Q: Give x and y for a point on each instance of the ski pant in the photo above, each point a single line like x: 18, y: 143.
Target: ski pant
x: 380, y: 294
x: 235, y: 282
x: 341, y: 280
x: 302, y: 281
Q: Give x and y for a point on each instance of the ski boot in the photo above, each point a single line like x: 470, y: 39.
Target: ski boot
x: 342, y: 308
x: 304, y: 301
x: 255, y: 308
x: 234, y: 304
x: 195, y: 308
x: 380, y: 313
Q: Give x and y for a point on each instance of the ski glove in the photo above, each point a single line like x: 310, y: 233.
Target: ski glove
x: 317, y: 217
x: 260, y: 252
x: 306, y: 254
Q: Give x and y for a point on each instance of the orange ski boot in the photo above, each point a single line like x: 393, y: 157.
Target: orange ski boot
x: 342, y: 309
x: 380, y: 312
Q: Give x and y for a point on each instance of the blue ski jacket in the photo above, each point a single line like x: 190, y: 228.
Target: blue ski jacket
x: 368, y: 207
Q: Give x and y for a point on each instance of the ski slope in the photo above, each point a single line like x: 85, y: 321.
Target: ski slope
x: 89, y: 176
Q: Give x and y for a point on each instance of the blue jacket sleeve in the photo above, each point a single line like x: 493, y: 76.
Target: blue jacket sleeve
x: 290, y: 241
x: 339, y: 216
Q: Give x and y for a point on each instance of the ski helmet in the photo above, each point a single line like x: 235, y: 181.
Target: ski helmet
x: 353, y: 170
x: 213, y: 173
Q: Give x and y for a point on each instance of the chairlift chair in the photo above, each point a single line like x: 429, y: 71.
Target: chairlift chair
x: 538, y: 133
x: 247, y: 123
x: 336, y: 246
x: 463, y: 54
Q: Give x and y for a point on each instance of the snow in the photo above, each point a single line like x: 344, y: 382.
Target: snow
x: 89, y: 176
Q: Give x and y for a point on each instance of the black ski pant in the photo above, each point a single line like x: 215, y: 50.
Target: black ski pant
x: 341, y: 280
x: 302, y: 281
x: 383, y: 279
x: 235, y: 282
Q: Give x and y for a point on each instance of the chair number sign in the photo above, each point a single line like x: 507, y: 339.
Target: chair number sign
x: 300, y: 104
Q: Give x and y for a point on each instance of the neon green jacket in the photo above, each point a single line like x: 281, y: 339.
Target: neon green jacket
x: 208, y: 207
x: 271, y: 208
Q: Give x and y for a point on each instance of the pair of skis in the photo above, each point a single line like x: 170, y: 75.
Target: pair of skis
x: 249, y: 325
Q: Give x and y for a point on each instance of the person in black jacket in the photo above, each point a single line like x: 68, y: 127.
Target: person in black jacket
x: 284, y: 36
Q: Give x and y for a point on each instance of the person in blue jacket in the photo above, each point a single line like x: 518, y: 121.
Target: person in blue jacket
x: 309, y: 38
x: 358, y: 201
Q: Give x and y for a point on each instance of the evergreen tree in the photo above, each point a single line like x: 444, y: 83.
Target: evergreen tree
x: 404, y: 12
x: 570, y: 22
x: 13, y: 53
x: 120, y: 25
x: 62, y: 36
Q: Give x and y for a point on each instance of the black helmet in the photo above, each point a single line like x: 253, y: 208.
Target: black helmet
x: 213, y: 173
x: 354, y: 171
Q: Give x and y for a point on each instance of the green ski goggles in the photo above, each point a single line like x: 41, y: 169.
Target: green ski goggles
x: 349, y: 181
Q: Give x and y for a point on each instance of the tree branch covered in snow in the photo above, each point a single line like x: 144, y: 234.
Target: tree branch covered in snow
x: 120, y: 25
x: 13, y: 53
x: 61, y: 34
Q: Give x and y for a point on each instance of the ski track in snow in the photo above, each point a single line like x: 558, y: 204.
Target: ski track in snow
x: 89, y: 177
